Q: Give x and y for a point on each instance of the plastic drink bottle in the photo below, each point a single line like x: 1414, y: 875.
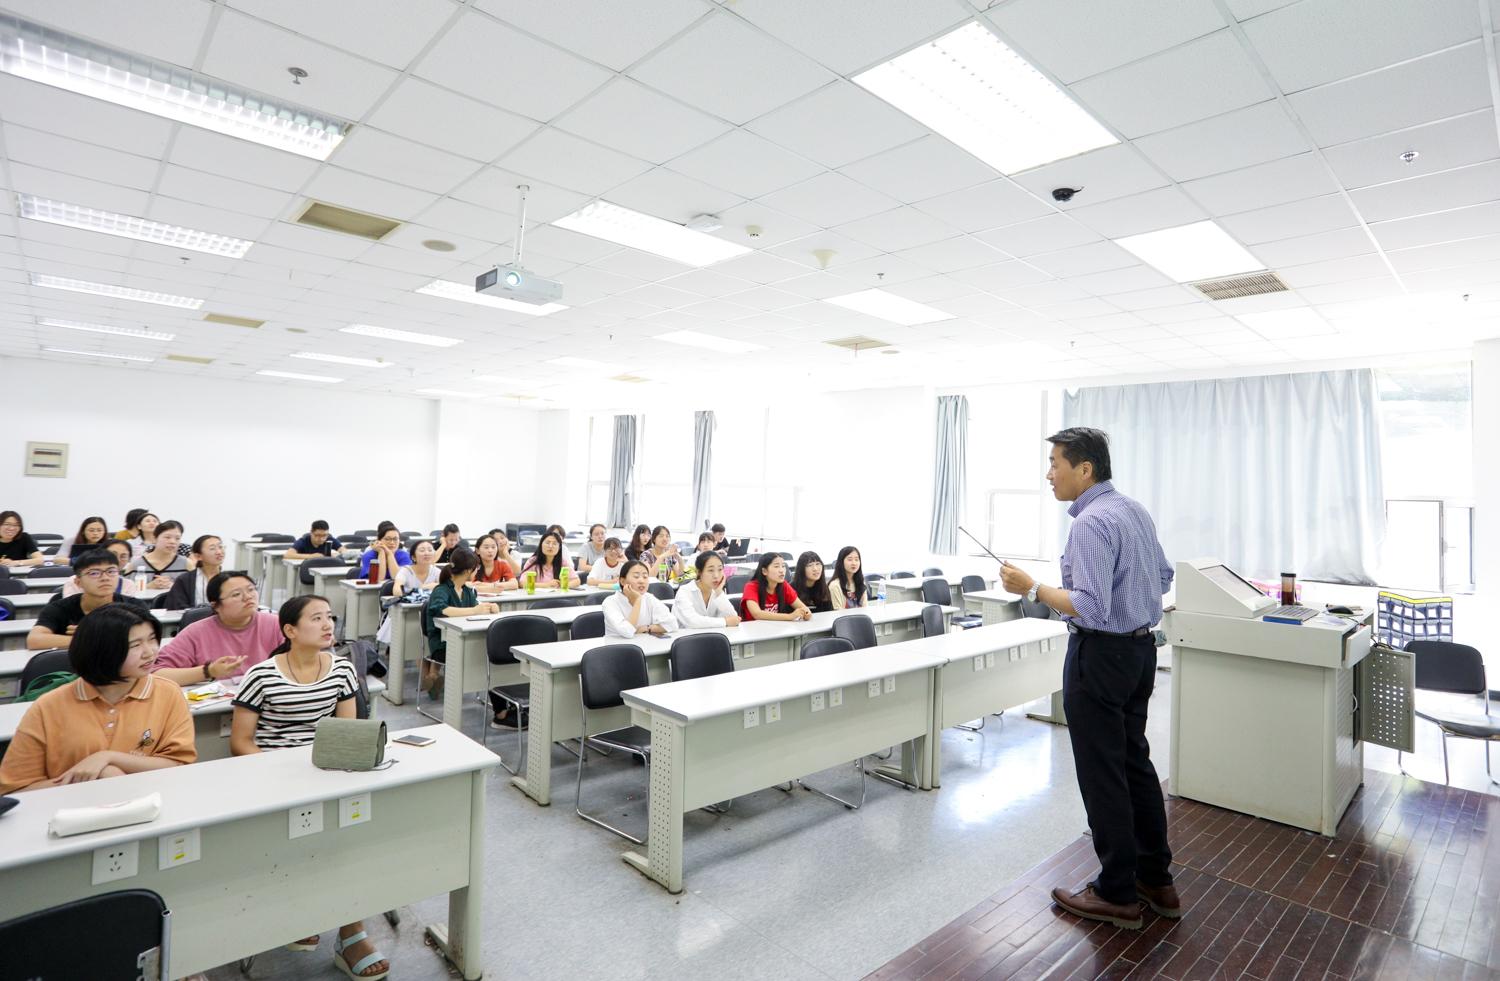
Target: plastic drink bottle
x: 562, y: 579
x: 530, y: 581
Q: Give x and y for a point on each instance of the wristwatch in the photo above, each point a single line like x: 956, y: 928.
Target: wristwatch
x: 1031, y: 593
x: 207, y: 676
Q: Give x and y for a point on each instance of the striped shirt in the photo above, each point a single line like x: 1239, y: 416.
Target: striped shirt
x: 286, y: 711
x: 1114, y: 568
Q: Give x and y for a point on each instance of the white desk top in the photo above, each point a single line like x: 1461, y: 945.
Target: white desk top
x: 957, y: 645
x: 562, y: 615
x: 225, y: 790
x: 996, y: 595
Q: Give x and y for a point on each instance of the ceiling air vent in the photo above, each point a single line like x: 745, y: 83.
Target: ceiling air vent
x: 226, y: 319
x: 1237, y: 286
x: 858, y: 343
x: 189, y: 359
x: 335, y: 219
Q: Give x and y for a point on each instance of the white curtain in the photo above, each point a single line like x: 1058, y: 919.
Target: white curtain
x: 950, y: 473
x: 622, y: 473
x: 703, y: 465
x: 1278, y: 473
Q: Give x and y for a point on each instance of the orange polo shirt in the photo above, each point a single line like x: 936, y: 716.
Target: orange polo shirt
x: 72, y: 722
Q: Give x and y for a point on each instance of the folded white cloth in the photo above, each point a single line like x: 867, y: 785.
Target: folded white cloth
x: 80, y: 820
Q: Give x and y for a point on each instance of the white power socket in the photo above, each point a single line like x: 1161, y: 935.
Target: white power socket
x: 874, y: 688
x: 752, y: 717
x: 355, y: 810
x: 116, y: 862
x: 747, y: 651
x: 835, y: 697
x: 978, y: 662
x: 178, y: 849
x: 304, y: 820
x: 817, y: 701
x: 773, y: 713
x: 890, y: 683
x: 989, y: 659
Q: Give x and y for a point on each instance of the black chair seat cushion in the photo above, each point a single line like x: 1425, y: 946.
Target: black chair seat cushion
x: 632, y: 739
x: 1469, y: 726
x: 520, y: 694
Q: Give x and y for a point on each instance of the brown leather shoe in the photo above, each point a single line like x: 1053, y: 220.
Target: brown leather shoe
x: 1163, y: 900
x: 1091, y: 906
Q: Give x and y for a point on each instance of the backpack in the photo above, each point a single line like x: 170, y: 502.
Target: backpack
x: 42, y: 685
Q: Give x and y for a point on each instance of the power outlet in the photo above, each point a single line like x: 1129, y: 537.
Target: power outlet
x: 116, y: 862
x: 989, y: 659
x: 226, y: 726
x: 890, y: 683
x: 773, y: 713
x: 1015, y: 653
x: 304, y: 820
x: 817, y: 701
x: 752, y: 717
x: 178, y: 849
x: 874, y: 688
x: 978, y: 662
x: 355, y: 810
x: 835, y: 697
x: 747, y: 651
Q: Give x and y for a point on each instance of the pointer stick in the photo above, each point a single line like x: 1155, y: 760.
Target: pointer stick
x: 982, y: 545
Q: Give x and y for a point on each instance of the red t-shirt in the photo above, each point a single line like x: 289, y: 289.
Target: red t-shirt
x: 503, y: 572
x: 782, y: 602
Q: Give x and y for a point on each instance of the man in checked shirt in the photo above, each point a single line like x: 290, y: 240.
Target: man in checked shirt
x: 1114, y: 573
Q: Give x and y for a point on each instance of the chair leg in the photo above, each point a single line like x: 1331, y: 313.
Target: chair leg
x: 578, y: 793
x: 859, y: 765
x: 520, y: 733
x: 1446, y: 779
x: 443, y: 674
x: 968, y: 728
x: 1487, y: 763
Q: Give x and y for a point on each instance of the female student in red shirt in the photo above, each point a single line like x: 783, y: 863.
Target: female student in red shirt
x: 768, y: 596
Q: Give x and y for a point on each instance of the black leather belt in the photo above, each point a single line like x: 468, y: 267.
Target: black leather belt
x: 1074, y: 628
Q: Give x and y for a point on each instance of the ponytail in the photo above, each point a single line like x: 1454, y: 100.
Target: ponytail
x: 463, y: 561
x: 290, y: 615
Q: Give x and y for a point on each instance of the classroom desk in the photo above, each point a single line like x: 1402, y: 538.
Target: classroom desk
x: 902, y: 590
x: 40, y: 584
x: 552, y: 669
x: 406, y: 641
x: 998, y: 606
x: 254, y: 888
x: 519, y: 599
x: 35, y: 601
x: 361, y: 607
x: 703, y: 752
x: 259, y: 564
x: 324, y: 578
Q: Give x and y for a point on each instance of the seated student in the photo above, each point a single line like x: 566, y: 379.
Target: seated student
x: 567, y: 554
x: 92, y: 533
x: 121, y: 552
x: 607, y: 569
x: 593, y: 549
x: 132, y: 526
x: 847, y: 587
x: 450, y: 542
x: 507, y: 550
x: 633, y: 610
x: 663, y: 549
x: 768, y: 597
x: 191, y: 588
x: 145, y: 536
x: 640, y: 543
x: 421, y: 574
x: 96, y: 574
x: 547, y: 561
x: 317, y: 543
x: 161, y: 561
x: 721, y: 544
x: 279, y: 706
x: 495, y: 575
x: 16, y: 546
x: 808, y: 581
x: 117, y: 718
x: 386, y: 554
x: 702, y: 603
x: 705, y: 544
x: 236, y: 638
x: 451, y: 597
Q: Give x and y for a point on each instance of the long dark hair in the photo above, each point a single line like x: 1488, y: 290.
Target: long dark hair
x: 290, y: 615
x: 478, y: 542
x: 462, y: 561
x: 637, y: 547
x: 539, y: 560
x: 815, y: 594
x: 22, y: 530
x: 854, y: 587
x: 763, y: 582
x: 78, y: 539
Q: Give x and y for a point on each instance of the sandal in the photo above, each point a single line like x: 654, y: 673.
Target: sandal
x: 363, y: 963
x: 306, y: 943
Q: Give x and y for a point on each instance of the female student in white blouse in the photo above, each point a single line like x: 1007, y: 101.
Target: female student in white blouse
x: 279, y: 705
x: 633, y: 610
x: 421, y: 574
x: 702, y: 603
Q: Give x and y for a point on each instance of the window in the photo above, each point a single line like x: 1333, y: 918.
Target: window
x: 1007, y: 464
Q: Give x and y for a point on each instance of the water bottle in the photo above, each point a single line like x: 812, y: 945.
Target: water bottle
x: 881, y: 593
x: 562, y: 579
x: 661, y: 571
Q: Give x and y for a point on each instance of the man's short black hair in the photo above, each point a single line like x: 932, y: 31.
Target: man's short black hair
x: 103, y: 639
x: 450, y: 528
x: 93, y: 557
x: 319, y: 525
x: 1081, y: 444
x: 717, y: 529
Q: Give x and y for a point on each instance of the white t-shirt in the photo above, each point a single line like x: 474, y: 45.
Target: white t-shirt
x: 604, y: 572
x: 617, y: 615
x: 691, y: 611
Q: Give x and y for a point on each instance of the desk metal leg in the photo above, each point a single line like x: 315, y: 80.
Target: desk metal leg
x: 465, y: 907
x: 395, y: 676
x: 453, y: 682
x: 663, y: 859
x: 1054, y: 713
x: 536, y: 780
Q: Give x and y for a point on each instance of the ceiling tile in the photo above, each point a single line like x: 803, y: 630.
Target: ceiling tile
x: 1082, y: 259
x: 1332, y: 271
x: 79, y: 117
x: 1445, y: 226
x: 952, y: 254
x: 1127, y: 279
x: 1163, y: 304
x: 47, y: 150
x: 920, y: 170
x: 221, y: 192
x: 1236, y: 139
x: 1319, y: 214
x: 829, y: 199
x: 932, y: 289
x: 758, y: 267
x: 1039, y: 235
x: 241, y: 160
x: 843, y: 250
x: 389, y: 31
x: 1337, y: 244
x: 628, y: 116
x: 1446, y: 254
x: 849, y: 35
x: 576, y: 164
x: 1434, y: 192
x: 991, y: 205
x: 1444, y: 84
x: 1288, y: 179
x: 616, y: 35
x: 708, y: 66
x: 498, y: 64
x: 495, y: 188
x: 668, y: 195
x: 1074, y: 39
x: 350, y: 190
x: 746, y: 164
x: 1317, y: 41
x: 641, y: 266
x: 1442, y: 145
x: 838, y: 124
x: 772, y: 227
x: 1102, y: 175
x: 421, y: 111
x: 369, y: 151
x: 190, y: 215
x: 78, y: 190
x: 1001, y: 276
x: 708, y: 282
x: 1202, y: 78
x: 899, y: 228
x: 169, y: 30
x: 1163, y: 208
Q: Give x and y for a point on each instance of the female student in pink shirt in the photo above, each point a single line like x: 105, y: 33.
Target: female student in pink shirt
x: 232, y: 641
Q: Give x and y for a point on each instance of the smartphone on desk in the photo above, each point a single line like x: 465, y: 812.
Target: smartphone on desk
x: 412, y: 739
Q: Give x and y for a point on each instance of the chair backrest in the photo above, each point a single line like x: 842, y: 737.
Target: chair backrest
x: 388, y: 588
x: 276, y: 537
x: 937, y: 591
x: 606, y: 671
x: 363, y: 533
x: 932, y: 571
x: 699, y: 655
x: 50, y: 548
x: 736, y: 584
x: 597, y: 599
x: 354, y: 541
x: 1037, y: 610
x: 4, y: 572
x: 44, y: 662
x: 553, y: 603
x: 508, y: 632
x: 823, y: 646
x: 1442, y: 665
x: 304, y: 571
x: 932, y: 621
x: 46, y: 536
x: 45, y: 944
x: 857, y: 628
x: 52, y: 572
x: 662, y: 590
x: 903, y: 575
x: 973, y: 584
x: 587, y: 626
x: 192, y: 615
x: 11, y: 587
x: 161, y: 602
x: 785, y: 555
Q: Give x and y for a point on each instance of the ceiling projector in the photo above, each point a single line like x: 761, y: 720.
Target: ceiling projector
x: 515, y: 283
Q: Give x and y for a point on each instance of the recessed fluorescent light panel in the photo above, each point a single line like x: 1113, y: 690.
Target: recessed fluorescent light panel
x: 295, y: 376
x: 66, y: 62
x: 708, y: 342
x: 1292, y: 323
x: 125, y: 226
x: 139, y: 333
x: 115, y: 292
x: 1189, y: 253
x: 467, y: 294
x: 98, y: 354
x: 340, y: 359
x: 404, y: 336
x: 971, y: 88
x: 889, y: 306
x: 448, y: 393
x: 650, y: 234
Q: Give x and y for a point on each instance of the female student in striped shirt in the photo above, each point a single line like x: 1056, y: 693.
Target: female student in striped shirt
x: 279, y: 705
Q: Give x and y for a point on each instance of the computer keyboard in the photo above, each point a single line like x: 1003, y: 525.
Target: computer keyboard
x: 1298, y: 613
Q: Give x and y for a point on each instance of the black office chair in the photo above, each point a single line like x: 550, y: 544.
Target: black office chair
x: 752, y: 559
x: 603, y: 674
x: 192, y: 615
x: 662, y: 590
x: 587, y: 626
x: 46, y: 537
x: 50, y: 550
x: 1444, y: 666
x: 553, y: 603
x: 275, y: 537
x: 857, y: 628
x: 43, y: 663
x: 51, y: 572
x: 736, y: 584
x: 12, y: 587
x: 354, y: 541
x: 823, y: 646
x: 973, y: 584
x: 595, y: 599
x: 932, y: 621
x: 502, y: 635
x: 304, y: 571
x: 136, y: 946
x: 367, y: 533
x: 932, y: 571
x: 4, y: 572
x: 1038, y: 610
x: 903, y: 575
x: 353, y: 573
x: 937, y: 591
x: 160, y: 602
x: 699, y: 656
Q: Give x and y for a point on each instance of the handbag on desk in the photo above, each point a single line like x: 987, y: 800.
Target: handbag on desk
x: 349, y: 744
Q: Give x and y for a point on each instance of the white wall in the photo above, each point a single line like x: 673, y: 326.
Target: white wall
x: 1486, y: 422
x: 489, y: 462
